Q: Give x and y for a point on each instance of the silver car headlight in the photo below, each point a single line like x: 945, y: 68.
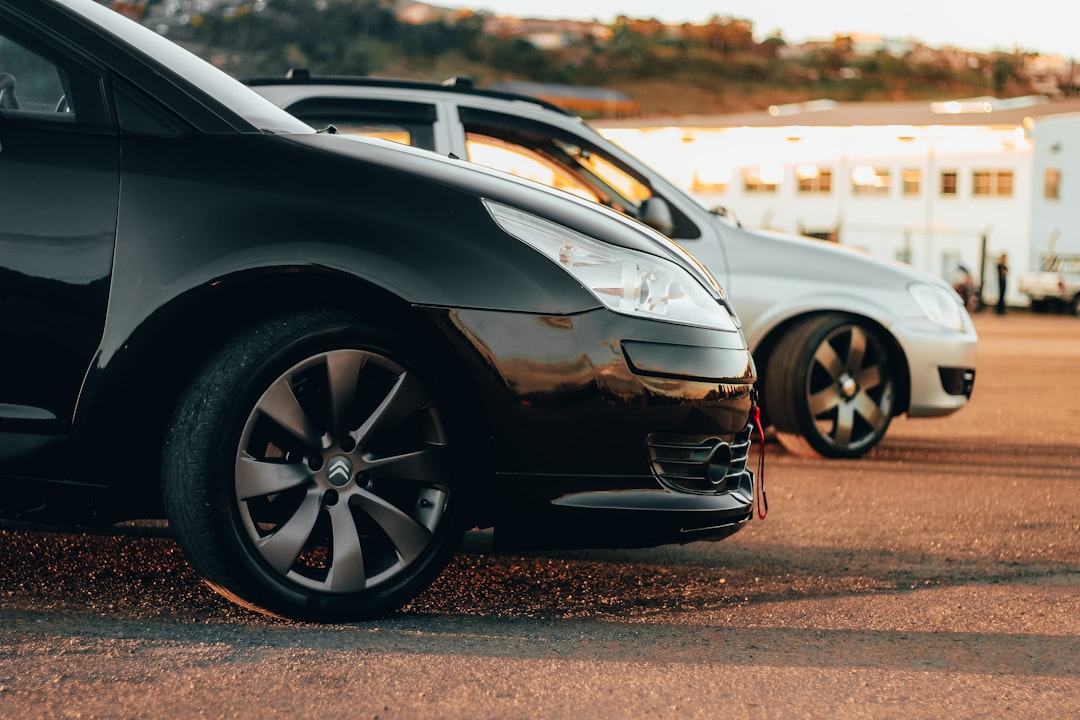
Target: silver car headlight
x: 626, y: 281
x: 941, y: 305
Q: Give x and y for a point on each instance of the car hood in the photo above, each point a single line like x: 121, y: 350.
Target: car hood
x: 585, y: 217
x: 773, y: 277
x: 787, y: 255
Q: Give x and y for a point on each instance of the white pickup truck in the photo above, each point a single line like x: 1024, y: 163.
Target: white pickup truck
x: 1056, y: 286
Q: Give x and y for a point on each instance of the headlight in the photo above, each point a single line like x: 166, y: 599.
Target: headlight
x: 942, y: 306
x: 626, y: 281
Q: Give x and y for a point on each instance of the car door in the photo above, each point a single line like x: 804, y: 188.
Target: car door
x: 59, y: 184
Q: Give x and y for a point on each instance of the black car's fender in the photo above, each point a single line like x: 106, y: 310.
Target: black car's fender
x: 240, y: 229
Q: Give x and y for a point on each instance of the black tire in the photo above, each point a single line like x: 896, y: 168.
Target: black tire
x: 830, y: 387
x: 307, y: 473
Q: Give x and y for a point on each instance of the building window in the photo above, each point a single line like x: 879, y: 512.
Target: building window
x: 992, y: 183
x: 813, y: 179
x: 911, y: 180
x: 709, y: 183
x: 949, y: 183
x: 764, y: 179
x: 868, y: 180
x: 1052, y: 184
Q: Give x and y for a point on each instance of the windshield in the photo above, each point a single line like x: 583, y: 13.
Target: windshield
x: 1064, y: 264
x: 230, y: 92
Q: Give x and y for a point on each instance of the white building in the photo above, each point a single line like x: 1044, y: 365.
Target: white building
x: 1055, y: 206
x: 934, y: 184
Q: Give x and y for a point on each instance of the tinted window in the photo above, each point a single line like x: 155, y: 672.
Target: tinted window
x: 407, y: 123
x: 32, y: 85
x: 521, y: 161
x: 139, y: 114
x: 581, y: 163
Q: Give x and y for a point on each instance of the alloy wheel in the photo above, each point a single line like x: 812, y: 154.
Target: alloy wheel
x: 342, y: 475
x: 849, y: 388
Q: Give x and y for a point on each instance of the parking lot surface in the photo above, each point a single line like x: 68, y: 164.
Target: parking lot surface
x: 937, y: 577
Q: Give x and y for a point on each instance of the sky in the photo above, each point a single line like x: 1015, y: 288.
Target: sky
x: 1049, y: 27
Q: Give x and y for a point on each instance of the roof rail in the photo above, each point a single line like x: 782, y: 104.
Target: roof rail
x: 458, y: 83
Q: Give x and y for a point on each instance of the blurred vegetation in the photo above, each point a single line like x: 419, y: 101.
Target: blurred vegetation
x: 713, y: 67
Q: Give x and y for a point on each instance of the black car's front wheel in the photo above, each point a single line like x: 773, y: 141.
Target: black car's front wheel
x: 830, y: 387
x: 308, y: 472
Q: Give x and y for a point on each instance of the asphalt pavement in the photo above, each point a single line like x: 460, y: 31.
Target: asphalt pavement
x: 937, y: 577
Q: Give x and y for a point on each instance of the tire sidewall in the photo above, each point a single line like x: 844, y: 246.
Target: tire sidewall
x: 788, y: 383
x: 275, y: 347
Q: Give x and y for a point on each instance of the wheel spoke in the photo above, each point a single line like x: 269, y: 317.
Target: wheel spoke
x: 282, y: 547
x: 429, y: 464
x: 823, y: 401
x: 256, y: 478
x: 870, y: 377
x: 857, y: 349
x: 404, y: 398
x: 845, y: 423
x: 827, y: 358
x: 280, y: 405
x: 342, y: 371
x: 347, y: 572
x: 865, y: 406
x: 409, y: 537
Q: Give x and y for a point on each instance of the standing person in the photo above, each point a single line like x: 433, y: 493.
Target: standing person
x: 1003, y: 276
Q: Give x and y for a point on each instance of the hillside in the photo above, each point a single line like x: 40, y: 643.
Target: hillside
x: 715, y: 68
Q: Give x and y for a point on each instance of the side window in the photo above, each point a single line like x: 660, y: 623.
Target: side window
x: 140, y: 115
x: 37, y: 84
x: 520, y: 161
x: 560, y: 159
x: 31, y: 84
x: 408, y: 123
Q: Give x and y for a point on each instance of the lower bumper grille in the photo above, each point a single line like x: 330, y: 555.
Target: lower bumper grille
x: 957, y: 381
x: 702, y: 464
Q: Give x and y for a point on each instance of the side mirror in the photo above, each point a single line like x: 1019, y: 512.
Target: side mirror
x: 725, y: 213
x: 656, y: 213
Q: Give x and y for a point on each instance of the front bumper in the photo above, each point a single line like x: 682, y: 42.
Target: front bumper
x: 573, y: 512
x: 942, y: 368
x: 611, y: 431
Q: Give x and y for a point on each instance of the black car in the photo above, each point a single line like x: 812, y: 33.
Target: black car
x: 322, y: 358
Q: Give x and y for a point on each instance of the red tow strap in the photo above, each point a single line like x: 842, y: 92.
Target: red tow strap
x: 762, y: 501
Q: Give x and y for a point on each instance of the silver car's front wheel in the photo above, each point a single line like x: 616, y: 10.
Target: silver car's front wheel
x: 308, y: 474
x: 830, y: 387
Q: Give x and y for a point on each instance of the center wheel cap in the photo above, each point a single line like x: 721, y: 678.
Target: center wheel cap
x: 339, y: 471
x: 848, y: 386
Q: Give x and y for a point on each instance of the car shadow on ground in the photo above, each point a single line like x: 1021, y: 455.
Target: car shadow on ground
x: 676, y: 604
x: 143, y: 575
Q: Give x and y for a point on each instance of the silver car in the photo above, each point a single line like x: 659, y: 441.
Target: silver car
x: 844, y: 341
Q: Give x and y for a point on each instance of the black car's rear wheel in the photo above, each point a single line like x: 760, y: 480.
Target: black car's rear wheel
x: 830, y: 387
x: 308, y: 471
